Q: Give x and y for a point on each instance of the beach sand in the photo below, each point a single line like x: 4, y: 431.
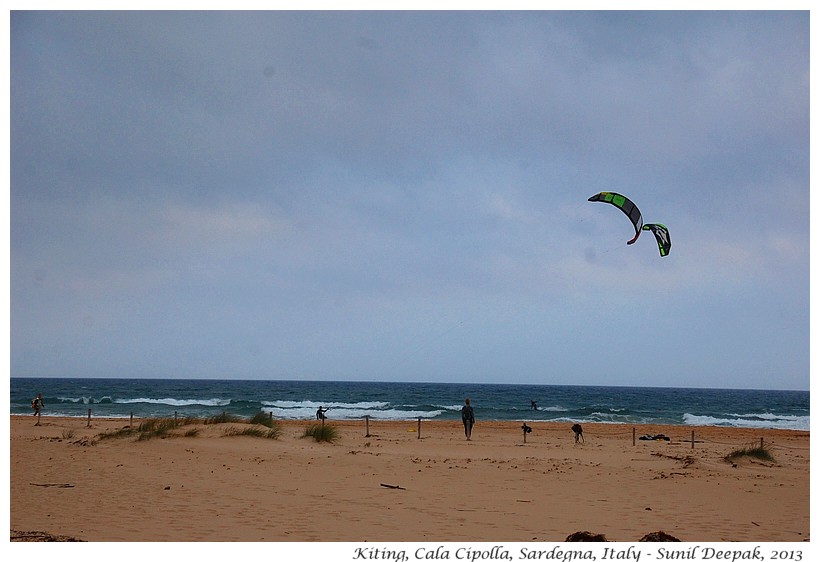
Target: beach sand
x: 399, y: 485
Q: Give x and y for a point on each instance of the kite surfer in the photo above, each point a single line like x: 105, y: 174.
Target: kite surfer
x: 38, y: 406
x: 468, y: 418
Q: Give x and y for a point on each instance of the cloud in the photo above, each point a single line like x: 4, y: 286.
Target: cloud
x: 351, y: 181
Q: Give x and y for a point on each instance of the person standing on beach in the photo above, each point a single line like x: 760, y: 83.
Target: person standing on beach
x: 320, y: 413
x: 38, y: 405
x: 468, y: 418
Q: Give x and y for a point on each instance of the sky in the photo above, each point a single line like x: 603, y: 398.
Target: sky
x: 402, y: 196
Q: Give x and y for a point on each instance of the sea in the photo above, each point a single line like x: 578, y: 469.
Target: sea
x: 295, y: 400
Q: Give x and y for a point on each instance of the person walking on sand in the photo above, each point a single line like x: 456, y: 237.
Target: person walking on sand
x: 38, y: 405
x: 468, y: 418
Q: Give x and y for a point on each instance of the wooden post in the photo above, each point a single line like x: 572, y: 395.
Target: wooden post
x: 693, y: 438
x: 418, y: 433
x: 367, y: 426
x: 271, y: 418
x: 761, y: 442
x: 633, y: 436
x: 131, y: 422
x: 89, y: 417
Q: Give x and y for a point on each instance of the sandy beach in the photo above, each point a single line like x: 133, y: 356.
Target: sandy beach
x: 397, y: 484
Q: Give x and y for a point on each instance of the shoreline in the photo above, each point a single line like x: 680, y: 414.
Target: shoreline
x: 352, y: 421
x: 496, y: 487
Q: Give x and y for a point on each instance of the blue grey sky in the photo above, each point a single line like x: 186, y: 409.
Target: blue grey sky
x: 402, y: 196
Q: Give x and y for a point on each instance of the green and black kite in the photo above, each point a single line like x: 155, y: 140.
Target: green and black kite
x: 634, y: 214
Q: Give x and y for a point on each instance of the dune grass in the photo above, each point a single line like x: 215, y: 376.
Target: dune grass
x: 321, y: 432
x: 758, y: 452
x: 117, y: 433
x: 151, y: 428
x: 224, y: 417
x: 252, y: 431
x: 263, y: 418
x: 158, y: 427
x: 164, y: 427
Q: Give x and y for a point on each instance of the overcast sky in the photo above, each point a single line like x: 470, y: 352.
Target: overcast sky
x: 403, y: 196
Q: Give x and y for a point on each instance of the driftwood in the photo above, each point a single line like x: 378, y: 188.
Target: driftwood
x: 391, y: 486
x: 53, y: 485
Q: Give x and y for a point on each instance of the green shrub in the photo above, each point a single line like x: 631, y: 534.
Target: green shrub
x: 321, y: 432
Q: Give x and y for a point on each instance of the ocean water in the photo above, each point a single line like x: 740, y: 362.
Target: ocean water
x: 408, y: 401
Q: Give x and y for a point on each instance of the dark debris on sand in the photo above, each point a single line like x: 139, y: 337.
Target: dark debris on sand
x: 586, y: 536
x: 40, y: 536
x: 659, y: 536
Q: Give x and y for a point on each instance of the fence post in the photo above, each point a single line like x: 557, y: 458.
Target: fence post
x: 367, y: 426
x: 89, y: 417
x: 131, y: 421
x: 761, y: 442
x: 693, y: 438
x: 418, y: 433
x: 633, y: 436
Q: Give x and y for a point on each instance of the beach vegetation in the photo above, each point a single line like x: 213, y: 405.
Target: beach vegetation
x: 321, y: 432
x: 117, y: 433
x: 757, y: 452
x: 158, y: 425
x: 150, y: 429
x: 263, y: 418
x: 153, y: 427
x: 252, y: 431
x: 224, y: 417
x: 68, y: 434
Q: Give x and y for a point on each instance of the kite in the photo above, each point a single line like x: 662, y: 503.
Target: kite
x: 625, y: 205
x: 662, y: 236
